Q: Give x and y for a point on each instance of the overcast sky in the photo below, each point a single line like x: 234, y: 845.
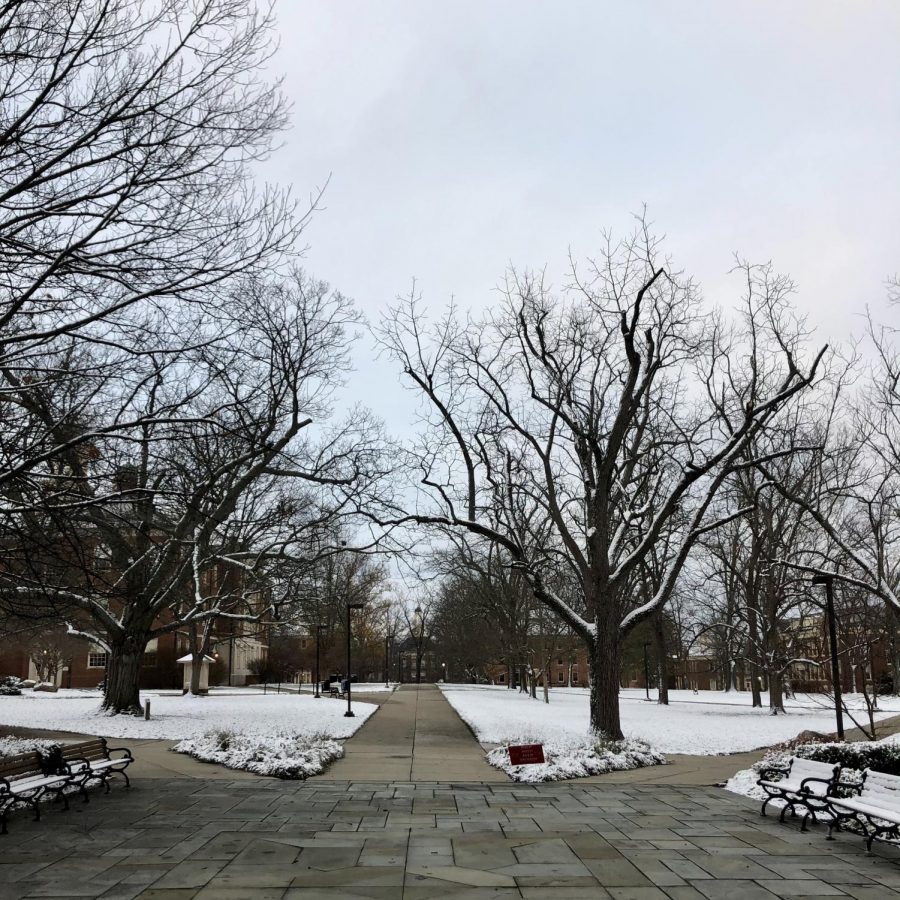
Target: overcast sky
x: 462, y: 136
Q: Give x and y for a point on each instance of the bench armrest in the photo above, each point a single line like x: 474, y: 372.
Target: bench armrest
x: 83, y: 764
x: 803, y: 787
x: 5, y: 787
x: 124, y: 750
x: 771, y: 770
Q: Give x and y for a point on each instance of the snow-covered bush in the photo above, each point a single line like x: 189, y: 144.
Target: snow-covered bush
x: 13, y: 746
x: 280, y: 755
x: 571, y: 757
x: 10, y: 686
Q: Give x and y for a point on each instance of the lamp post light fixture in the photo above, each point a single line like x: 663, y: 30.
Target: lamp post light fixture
x: 444, y: 672
x: 319, y: 630
x: 828, y: 581
x: 350, y: 607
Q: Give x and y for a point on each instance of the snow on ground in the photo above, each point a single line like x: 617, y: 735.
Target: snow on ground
x: 174, y: 717
x: 362, y: 687
x: 706, y: 723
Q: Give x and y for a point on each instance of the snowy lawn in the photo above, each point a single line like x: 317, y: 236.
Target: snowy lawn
x: 175, y: 717
x: 706, y: 723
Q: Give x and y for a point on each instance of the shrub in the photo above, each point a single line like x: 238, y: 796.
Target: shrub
x: 10, y: 686
x: 857, y: 755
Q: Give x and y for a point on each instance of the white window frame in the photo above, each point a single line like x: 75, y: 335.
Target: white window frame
x: 95, y: 653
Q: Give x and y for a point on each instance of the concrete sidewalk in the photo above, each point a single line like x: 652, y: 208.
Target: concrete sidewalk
x: 415, y: 736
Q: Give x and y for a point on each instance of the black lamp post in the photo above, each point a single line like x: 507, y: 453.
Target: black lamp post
x: 646, y: 671
x: 387, y: 659
x: 350, y: 607
x: 828, y: 581
x: 319, y: 629
x: 417, y: 619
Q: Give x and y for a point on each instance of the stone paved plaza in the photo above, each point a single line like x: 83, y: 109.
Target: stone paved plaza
x: 413, y: 811
x: 268, y: 839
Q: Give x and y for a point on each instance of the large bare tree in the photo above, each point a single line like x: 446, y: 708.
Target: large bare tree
x: 585, y: 430
x: 127, y: 129
x: 205, y: 514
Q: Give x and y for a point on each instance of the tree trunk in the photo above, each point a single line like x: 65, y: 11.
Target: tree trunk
x: 604, y: 658
x: 547, y: 683
x: 754, y: 685
x: 776, y: 698
x: 197, y: 655
x: 510, y: 676
x: 121, y: 693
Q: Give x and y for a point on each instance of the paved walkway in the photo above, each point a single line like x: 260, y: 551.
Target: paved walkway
x: 416, y: 735
x: 275, y: 840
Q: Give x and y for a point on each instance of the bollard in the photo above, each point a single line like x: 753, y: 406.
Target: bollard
x: 147, y: 710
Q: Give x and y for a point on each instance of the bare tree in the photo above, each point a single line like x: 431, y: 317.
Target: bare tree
x: 194, y: 518
x: 127, y: 131
x: 609, y: 417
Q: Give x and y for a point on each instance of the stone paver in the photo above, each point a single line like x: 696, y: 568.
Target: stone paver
x: 215, y: 840
x: 415, y: 735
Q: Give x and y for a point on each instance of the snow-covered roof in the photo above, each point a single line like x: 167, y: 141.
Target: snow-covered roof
x: 188, y: 658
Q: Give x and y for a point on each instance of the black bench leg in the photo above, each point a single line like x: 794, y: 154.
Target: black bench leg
x: 806, y: 818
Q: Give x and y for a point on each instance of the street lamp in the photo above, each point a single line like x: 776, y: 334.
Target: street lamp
x: 444, y: 672
x: 350, y: 606
x: 387, y: 659
x: 646, y: 671
x: 828, y: 581
x: 419, y: 626
x: 319, y: 630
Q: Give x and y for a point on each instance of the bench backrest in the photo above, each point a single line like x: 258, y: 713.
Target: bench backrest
x: 89, y: 750
x: 809, y: 768
x: 23, y: 765
x: 881, y: 790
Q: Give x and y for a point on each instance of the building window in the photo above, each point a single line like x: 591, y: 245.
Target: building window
x: 501, y: 679
x: 574, y: 676
x: 559, y: 661
x: 560, y: 677
x: 97, y: 657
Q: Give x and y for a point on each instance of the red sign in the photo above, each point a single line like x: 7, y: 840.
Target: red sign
x: 526, y: 754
